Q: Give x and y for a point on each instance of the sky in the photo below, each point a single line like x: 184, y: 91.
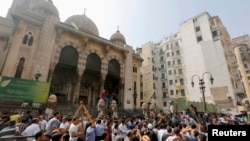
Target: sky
x: 141, y: 21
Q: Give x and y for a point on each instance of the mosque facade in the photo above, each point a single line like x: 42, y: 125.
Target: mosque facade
x: 70, y: 55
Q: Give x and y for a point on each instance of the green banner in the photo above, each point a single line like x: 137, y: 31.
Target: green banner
x: 21, y: 90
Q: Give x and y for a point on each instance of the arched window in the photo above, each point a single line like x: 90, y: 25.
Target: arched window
x: 134, y: 69
x: 25, y: 39
x: 19, y: 69
x: 30, y: 41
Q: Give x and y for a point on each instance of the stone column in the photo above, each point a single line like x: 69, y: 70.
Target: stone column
x: 104, y: 72
x: 77, y: 89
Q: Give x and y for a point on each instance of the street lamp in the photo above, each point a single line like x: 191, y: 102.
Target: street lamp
x: 202, y: 86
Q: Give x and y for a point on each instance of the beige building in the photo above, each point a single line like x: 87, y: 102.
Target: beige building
x: 241, y: 46
x: 70, y: 55
x: 200, y: 50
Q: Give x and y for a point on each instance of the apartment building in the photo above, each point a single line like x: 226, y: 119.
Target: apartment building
x: 201, y: 50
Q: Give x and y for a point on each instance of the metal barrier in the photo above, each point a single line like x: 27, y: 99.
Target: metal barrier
x: 15, y: 138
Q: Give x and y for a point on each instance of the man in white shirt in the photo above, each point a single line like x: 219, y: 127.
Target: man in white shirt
x: 123, y: 128
x: 43, y: 123
x: 161, y: 132
x: 73, y: 131
x: 32, y: 129
x: 64, y: 126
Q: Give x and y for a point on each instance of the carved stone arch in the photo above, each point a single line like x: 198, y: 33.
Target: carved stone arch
x: 93, y: 51
x: 114, y: 57
x: 59, y: 49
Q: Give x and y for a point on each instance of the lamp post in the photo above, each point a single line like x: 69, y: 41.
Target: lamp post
x: 202, y: 86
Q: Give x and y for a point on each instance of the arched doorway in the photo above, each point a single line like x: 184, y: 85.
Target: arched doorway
x: 91, y: 78
x: 65, y: 75
x: 112, y: 81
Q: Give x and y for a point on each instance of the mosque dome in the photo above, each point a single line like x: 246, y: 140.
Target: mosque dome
x: 45, y: 7
x: 83, y: 23
x: 118, y: 38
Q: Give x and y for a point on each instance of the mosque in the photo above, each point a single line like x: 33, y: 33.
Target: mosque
x: 70, y: 55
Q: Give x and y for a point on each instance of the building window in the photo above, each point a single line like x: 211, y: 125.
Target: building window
x: 180, y: 71
x: 197, y: 29
x: 161, y: 59
x: 163, y: 85
x: 170, y: 82
x: 165, y: 104
x: 170, y: 72
x: 28, y: 39
x: 177, y: 44
x: 245, y: 65
x: 162, y: 67
x: 171, y: 92
x: 179, y: 61
x: 163, y: 75
x: 182, y: 92
x: 25, y: 39
x: 134, y: 69
x: 181, y: 81
x: 30, y: 42
x: 174, y: 71
x: 168, y: 54
x: 19, y: 69
x: 178, y: 52
x: 169, y: 63
x: 215, y: 33
x: 164, y: 95
x: 199, y: 38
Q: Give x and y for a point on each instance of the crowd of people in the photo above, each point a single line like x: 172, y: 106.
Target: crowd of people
x: 162, y: 126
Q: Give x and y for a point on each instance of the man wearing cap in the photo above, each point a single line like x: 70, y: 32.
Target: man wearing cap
x: 151, y: 134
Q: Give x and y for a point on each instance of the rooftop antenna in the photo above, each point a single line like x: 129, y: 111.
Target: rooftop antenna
x: 84, y: 11
x: 118, y: 28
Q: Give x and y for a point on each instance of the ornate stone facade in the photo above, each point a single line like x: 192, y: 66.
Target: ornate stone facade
x: 70, y: 55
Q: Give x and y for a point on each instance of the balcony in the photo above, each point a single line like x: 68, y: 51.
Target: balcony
x: 179, y: 86
x: 177, y: 65
x: 178, y: 75
x: 164, y: 88
x: 161, y: 53
x: 233, y: 65
x: 175, y: 48
x: 165, y: 96
x: 155, y: 78
x: 228, y: 51
x: 164, y: 78
x: 235, y: 77
x: 176, y: 56
x: 162, y: 69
